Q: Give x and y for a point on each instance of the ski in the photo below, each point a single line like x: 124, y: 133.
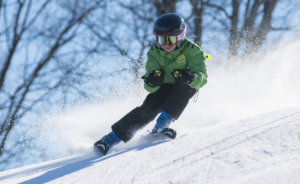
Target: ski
x: 168, y: 132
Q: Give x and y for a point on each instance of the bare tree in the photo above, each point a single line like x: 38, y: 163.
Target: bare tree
x: 248, y: 23
x: 197, y: 13
x: 35, y: 37
x: 130, y: 35
x: 255, y: 36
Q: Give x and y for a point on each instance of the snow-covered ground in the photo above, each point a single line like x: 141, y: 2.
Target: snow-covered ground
x: 244, y: 128
x: 261, y: 149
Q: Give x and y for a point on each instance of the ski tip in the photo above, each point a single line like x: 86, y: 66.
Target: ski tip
x: 98, y: 153
x: 169, y: 133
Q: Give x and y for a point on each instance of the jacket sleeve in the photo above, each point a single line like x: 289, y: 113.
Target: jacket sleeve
x: 197, y: 64
x: 151, y: 64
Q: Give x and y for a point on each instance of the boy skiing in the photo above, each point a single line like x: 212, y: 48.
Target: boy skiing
x: 175, y: 70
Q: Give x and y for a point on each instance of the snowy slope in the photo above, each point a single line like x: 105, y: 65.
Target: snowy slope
x: 233, y: 134
x: 260, y: 149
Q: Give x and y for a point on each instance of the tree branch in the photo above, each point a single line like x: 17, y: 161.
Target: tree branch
x: 217, y: 7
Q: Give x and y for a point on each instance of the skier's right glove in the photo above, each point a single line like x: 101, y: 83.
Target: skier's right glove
x: 155, y: 78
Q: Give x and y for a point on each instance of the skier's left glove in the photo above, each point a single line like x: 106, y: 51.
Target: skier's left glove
x: 155, y: 78
x: 183, y: 76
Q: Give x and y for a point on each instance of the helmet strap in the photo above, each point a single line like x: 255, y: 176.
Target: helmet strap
x: 182, y: 35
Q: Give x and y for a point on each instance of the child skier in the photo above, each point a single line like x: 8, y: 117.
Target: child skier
x: 175, y: 70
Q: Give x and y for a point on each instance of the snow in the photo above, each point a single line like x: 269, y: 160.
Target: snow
x: 244, y: 128
x: 261, y: 149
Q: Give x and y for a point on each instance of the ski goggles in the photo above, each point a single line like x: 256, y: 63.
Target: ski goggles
x: 168, y: 39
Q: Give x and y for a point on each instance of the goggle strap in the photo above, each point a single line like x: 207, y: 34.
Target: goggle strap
x: 181, y: 36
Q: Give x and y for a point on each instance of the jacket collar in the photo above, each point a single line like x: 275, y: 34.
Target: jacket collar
x: 171, y: 55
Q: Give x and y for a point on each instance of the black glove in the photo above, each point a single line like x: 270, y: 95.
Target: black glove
x: 156, y: 78
x: 183, y: 76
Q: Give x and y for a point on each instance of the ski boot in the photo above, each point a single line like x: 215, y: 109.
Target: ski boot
x: 162, y: 124
x: 102, y: 146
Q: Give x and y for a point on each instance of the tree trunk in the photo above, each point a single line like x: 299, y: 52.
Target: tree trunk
x: 166, y: 6
x: 235, y: 38
x: 197, y: 11
x: 255, y: 41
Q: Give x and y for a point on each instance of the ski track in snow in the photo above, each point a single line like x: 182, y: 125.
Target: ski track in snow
x: 261, y: 149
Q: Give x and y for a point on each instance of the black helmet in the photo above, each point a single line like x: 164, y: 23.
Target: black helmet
x: 169, y: 24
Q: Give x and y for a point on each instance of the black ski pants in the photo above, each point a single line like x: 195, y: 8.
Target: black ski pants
x: 171, y: 98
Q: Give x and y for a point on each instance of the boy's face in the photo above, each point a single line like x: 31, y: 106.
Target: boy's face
x: 168, y: 48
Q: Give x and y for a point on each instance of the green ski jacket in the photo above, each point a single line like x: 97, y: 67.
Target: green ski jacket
x: 188, y: 57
